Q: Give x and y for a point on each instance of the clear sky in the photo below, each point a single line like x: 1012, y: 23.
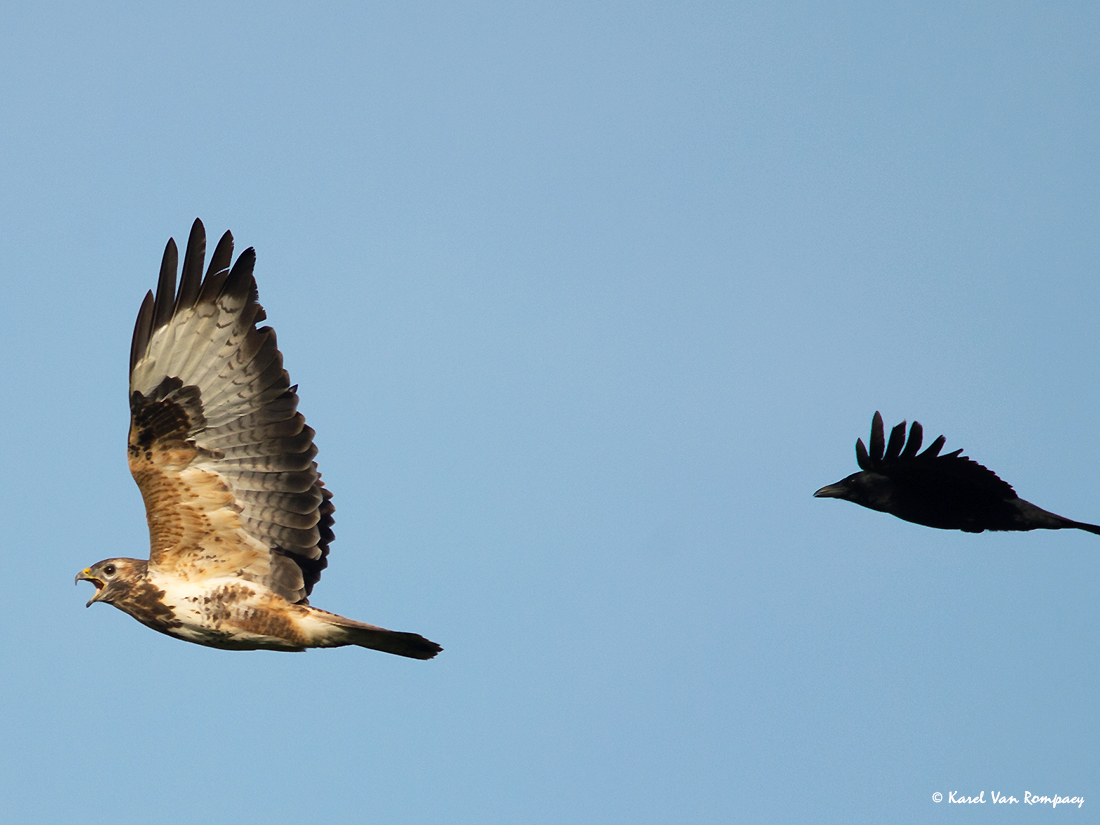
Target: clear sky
x: 584, y: 302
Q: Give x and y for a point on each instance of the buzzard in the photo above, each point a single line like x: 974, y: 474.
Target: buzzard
x: 239, y: 520
x: 947, y: 491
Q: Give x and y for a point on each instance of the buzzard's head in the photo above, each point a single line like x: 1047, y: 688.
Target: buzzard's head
x: 112, y: 578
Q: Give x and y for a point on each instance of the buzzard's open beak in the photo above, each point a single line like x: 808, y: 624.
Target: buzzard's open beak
x: 85, y: 575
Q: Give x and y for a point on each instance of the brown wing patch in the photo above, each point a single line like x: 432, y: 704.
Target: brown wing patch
x: 194, y: 524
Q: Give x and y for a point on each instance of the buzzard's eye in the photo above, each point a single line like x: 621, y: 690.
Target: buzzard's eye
x: 109, y: 569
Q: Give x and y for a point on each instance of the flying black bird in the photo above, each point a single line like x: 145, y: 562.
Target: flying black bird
x: 947, y: 491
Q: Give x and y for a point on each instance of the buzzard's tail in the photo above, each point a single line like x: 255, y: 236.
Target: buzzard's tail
x: 341, y: 631
x: 412, y: 645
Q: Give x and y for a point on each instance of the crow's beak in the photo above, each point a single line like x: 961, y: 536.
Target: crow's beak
x: 830, y: 491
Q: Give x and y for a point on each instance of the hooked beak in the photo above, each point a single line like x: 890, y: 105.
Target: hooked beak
x: 85, y: 575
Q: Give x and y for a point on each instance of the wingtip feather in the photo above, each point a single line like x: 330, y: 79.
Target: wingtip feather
x: 916, y: 436
x: 862, y: 459
x: 894, y: 445
x: 878, y: 441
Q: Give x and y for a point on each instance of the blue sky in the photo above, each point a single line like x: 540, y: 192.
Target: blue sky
x: 584, y: 302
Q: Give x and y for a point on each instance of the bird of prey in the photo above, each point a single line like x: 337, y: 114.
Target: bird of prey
x: 239, y: 520
x: 947, y: 491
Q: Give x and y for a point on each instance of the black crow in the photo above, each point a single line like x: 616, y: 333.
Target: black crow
x: 948, y: 491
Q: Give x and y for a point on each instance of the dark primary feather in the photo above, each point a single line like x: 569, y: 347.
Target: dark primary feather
x: 947, y: 491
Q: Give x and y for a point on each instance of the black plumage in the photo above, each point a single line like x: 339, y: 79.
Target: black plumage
x: 947, y: 491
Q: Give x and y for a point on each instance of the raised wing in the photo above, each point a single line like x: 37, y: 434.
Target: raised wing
x: 222, y: 457
x: 905, y: 463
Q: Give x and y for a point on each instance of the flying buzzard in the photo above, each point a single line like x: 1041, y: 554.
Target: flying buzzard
x: 948, y: 491
x: 239, y: 520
